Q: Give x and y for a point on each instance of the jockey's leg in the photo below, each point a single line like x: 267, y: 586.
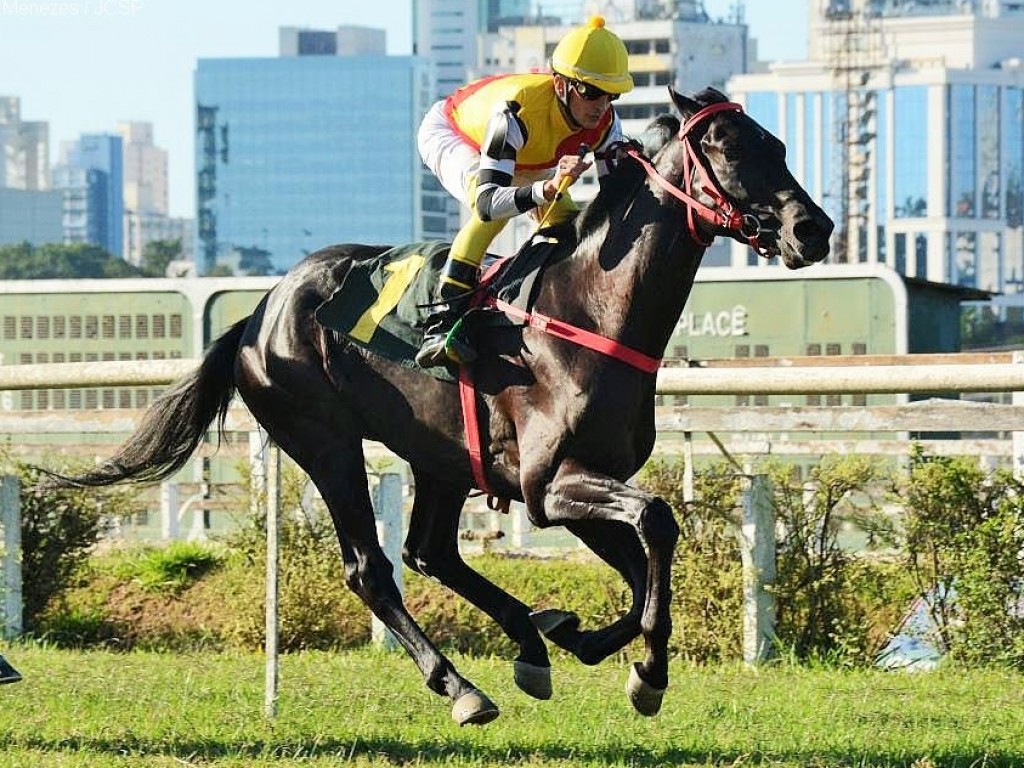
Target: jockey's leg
x: 458, y: 280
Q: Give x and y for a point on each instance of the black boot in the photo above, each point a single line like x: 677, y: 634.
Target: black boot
x: 442, y: 342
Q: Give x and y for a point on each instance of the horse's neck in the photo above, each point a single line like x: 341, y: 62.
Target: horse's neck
x: 632, y: 275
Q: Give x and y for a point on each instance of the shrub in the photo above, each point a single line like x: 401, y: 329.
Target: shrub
x: 170, y: 568
x: 964, y: 548
x: 822, y: 609
x: 59, y: 528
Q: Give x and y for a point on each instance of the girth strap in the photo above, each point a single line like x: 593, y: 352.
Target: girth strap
x: 558, y: 329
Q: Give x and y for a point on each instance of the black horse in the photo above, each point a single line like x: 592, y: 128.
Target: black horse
x: 563, y: 426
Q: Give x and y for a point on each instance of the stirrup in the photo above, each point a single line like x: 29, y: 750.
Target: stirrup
x: 445, y: 348
x: 433, y: 353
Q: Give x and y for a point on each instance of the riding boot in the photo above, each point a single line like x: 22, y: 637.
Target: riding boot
x: 442, y: 342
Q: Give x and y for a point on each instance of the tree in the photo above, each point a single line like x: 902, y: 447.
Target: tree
x: 55, y: 261
x: 220, y: 270
x: 157, y: 254
x: 254, y: 261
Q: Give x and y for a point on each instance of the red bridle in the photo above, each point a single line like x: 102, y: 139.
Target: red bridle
x: 722, y: 212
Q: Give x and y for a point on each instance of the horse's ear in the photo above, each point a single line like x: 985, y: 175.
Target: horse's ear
x: 685, y: 105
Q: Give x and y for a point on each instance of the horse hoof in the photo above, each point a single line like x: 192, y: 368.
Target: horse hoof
x: 646, y: 699
x: 552, y: 619
x: 474, y: 708
x: 533, y: 680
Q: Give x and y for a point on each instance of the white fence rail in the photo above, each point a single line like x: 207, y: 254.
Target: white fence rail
x: 863, y: 375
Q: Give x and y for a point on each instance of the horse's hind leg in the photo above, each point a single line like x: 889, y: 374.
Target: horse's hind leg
x: 336, y: 466
x: 431, y: 548
x: 619, y: 546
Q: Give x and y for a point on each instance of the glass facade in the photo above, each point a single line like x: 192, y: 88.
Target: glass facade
x: 764, y: 107
x: 92, y: 181
x: 910, y: 152
x: 962, y: 148
x: 1012, y: 122
x: 296, y: 153
x: 887, y: 156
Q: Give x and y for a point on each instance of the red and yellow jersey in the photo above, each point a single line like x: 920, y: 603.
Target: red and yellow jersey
x: 547, y: 135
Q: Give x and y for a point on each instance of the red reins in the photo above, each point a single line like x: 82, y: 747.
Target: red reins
x: 722, y: 212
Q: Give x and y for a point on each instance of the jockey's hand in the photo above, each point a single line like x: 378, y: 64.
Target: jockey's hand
x: 569, y: 168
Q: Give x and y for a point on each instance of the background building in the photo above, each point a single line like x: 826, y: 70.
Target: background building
x: 90, y: 177
x: 31, y: 216
x: 908, y: 122
x: 297, y: 152
x: 145, y: 195
x: 24, y: 148
x: 29, y: 210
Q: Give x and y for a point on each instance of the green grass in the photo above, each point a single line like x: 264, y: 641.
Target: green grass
x: 369, y: 708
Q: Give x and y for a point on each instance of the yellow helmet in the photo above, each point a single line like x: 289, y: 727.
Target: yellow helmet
x: 595, y: 56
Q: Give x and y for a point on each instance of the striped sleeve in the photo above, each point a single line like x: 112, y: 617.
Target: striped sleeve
x: 496, y: 197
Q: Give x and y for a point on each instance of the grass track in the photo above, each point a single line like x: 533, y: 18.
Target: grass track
x: 371, y: 709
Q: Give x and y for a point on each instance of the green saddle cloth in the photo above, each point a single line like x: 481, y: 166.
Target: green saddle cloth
x: 382, y: 303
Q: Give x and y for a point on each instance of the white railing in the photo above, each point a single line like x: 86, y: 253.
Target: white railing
x: 999, y: 373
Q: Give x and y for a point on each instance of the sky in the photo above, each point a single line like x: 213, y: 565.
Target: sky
x: 85, y: 65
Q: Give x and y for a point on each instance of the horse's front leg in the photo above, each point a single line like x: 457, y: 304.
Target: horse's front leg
x: 618, y: 545
x: 576, y: 493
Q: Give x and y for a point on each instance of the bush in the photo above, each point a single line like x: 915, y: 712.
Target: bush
x: 964, y: 548
x: 831, y: 604
x: 59, y: 528
x: 170, y: 568
x: 822, y: 590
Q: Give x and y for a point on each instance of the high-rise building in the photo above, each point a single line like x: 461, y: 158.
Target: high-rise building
x: 908, y: 122
x: 346, y: 40
x: 30, y: 215
x: 301, y: 151
x: 24, y: 148
x: 29, y: 210
x: 90, y: 176
x: 146, y: 217
x: 145, y: 169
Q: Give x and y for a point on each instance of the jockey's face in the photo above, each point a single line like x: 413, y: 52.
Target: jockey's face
x: 586, y: 104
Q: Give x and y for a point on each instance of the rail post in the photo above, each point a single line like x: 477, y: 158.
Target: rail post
x: 1018, y: 437
x: 10, y: 504
x: 271, y: 673
x: 757, y: 550
x: 387, y: 508
x: 169, y: 507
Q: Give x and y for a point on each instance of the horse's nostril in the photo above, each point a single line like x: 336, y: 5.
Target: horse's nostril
x: 809, y: 231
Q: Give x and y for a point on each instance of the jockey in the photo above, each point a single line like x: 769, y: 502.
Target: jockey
x: 506, y: 145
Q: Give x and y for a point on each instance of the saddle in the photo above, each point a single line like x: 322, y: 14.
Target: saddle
x: 383, y: 303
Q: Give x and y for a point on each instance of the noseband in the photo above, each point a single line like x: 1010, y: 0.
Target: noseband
x: 721, y: 213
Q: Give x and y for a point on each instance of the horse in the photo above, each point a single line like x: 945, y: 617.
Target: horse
x: 563, y: 427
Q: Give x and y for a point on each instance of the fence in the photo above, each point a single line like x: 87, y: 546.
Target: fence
x: 989, y: 373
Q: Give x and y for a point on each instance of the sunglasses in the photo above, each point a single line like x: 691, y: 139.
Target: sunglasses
x: 591, y: 92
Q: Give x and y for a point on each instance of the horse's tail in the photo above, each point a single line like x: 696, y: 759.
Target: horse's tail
x: 175, y: 424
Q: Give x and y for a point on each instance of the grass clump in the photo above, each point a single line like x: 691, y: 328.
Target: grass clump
x: 171, y: 568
